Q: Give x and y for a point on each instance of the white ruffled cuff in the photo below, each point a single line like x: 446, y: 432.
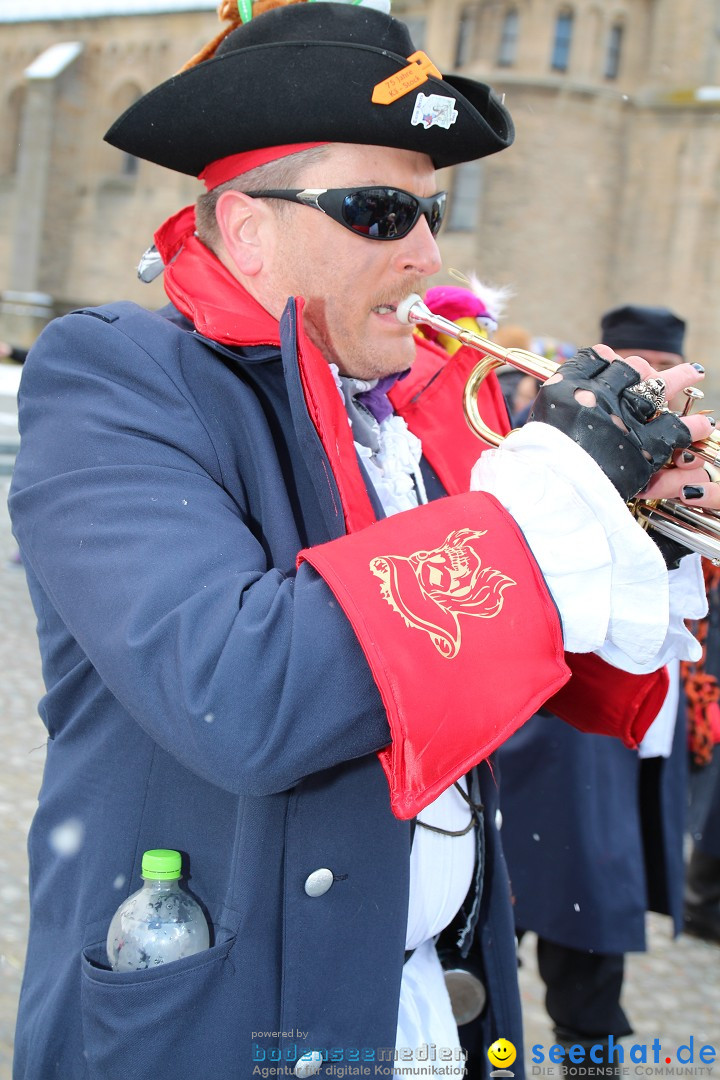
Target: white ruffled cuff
x: 607, y: 577
x: 688, y: 600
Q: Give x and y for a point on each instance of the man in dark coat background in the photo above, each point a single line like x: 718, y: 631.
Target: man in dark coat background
x: 702, y: 886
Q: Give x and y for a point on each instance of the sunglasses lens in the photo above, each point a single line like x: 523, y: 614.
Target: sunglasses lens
x: 437, y: 212
x: 381, y: 213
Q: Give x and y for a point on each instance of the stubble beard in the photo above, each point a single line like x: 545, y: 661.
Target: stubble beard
x: 356, y: 355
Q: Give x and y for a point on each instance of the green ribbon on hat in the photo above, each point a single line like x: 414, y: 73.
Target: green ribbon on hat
x: 245, y: 10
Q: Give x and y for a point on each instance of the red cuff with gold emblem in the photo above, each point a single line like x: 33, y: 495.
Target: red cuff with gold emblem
x: 459, y: 630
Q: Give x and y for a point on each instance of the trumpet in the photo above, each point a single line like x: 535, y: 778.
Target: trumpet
x: 696, y: 528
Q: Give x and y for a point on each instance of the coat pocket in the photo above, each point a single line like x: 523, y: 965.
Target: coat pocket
x: 139, y: 1025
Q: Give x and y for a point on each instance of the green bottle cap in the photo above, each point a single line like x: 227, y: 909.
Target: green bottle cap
x: 161, y: 864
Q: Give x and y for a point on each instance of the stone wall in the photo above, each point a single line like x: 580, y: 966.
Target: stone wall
x: 98, y: 210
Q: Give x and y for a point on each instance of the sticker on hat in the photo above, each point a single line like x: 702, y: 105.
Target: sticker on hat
x: 434, y: 110
x: 419, y: 68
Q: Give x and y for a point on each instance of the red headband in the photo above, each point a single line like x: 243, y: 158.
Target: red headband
x: 227, y: 168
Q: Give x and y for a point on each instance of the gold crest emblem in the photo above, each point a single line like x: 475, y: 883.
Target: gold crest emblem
x: 431, y: 589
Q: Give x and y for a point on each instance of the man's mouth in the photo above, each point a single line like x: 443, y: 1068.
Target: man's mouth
x: 388, y: 305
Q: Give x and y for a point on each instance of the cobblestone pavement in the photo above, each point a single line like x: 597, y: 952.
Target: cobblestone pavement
x: 672, y: 992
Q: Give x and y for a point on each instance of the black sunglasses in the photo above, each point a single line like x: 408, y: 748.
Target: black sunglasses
x: 380, y: 213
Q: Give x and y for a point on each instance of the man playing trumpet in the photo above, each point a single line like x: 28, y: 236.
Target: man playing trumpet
x: 276, y: 625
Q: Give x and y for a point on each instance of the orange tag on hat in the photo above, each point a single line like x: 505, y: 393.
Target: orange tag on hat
x: 419, y: 68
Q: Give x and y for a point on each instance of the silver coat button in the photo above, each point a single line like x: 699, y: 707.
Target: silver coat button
x: 309, y: 1063
x: 319, y: 882
x: 498, y: 819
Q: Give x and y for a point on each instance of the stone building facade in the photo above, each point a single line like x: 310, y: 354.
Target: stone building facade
x: 75, y: 213
x: 610, y: 194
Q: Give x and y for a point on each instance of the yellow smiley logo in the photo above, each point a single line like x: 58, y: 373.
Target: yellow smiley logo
x: 502, y: 1053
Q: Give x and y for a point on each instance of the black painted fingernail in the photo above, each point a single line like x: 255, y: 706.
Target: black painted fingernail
x: 700, y: 368
x: 693, y: 491
x: 688, y: 457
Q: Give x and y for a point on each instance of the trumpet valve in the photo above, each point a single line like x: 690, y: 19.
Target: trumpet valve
x: 693, y: 394
x: 709, y: 448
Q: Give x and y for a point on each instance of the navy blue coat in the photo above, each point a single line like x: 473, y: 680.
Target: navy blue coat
x: 704, y: 823
x: 593, y: 835
x: 706, y: 832
x: 216, y: 719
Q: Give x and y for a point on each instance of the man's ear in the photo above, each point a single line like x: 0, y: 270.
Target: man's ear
x: 240, y: 221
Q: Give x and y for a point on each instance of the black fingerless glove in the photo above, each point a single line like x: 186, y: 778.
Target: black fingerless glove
x: 628, y: 458
x: 672, y: 551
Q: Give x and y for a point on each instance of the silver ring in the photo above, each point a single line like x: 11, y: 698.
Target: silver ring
x: 653, y: 390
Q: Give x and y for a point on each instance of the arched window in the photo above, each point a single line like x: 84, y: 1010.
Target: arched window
x: 563, y: 38
x: 465, y: 193
x: 123, y: 97
x: 417, y: 25
x: 613, y: 51
x: 507, y: 50
x: 130, y: 164
x: 10, y: 132
x: 466, y: 36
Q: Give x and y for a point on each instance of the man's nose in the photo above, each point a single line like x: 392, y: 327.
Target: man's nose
x: 418, y: 252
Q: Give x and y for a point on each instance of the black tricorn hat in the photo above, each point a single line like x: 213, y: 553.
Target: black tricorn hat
x: 634, y: 326
x: 306, y: 73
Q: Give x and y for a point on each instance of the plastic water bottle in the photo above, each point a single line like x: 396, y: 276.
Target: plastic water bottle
x: 158, y: 923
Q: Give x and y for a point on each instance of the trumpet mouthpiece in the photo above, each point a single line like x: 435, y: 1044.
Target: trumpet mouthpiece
x: 412, y: 301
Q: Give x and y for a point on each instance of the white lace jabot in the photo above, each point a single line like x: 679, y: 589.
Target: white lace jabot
x: 389, y: 451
